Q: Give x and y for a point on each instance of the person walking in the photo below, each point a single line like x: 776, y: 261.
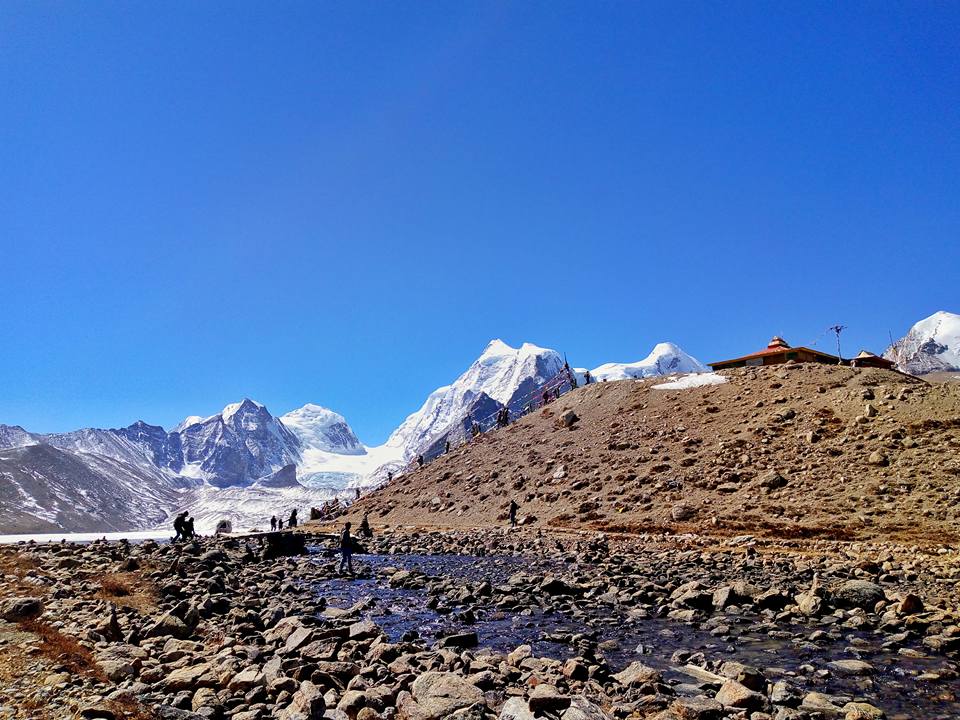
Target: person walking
x: 273, y: 523
x: 280, y: 524
x: 178, y: 526
x: 419, y: 460
x: 346, y: 549
x: 586, y: 377
x: 188, y: 532
x: 513, y: 513
x: 292, y: 521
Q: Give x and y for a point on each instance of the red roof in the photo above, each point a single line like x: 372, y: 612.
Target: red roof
x: 776, y: 350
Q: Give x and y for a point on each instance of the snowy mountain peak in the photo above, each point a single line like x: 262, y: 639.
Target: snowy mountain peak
x: 188, y: 421
x: 507, y: 375
x: 665, y: 358
x: 931, y: 345
x: 246, y: 404
x: 497, y: 347
x: 319, y: 428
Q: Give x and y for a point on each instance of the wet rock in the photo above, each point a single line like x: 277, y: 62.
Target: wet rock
x: 850, y: 667
x: 858, y: 594
x: 460, y: 640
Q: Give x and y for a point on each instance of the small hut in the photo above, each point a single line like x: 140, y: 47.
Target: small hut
x: 865, y: 358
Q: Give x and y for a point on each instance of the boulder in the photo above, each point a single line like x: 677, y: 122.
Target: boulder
x: 20, y: 608
x: 636, y: 673
x: 307, y: 704
x: 545, y: 698
x: 736, y: 695
x: 862, y: 711
x: 438, y: 694
x: 190, y: 678
x: 515, y: 708
x: 697, y: 708
x: 858, y: 594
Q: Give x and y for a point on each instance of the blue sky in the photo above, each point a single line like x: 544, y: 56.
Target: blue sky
x: 343, y: 202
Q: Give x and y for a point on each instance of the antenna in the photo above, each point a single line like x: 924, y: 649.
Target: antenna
x: 838, y: 329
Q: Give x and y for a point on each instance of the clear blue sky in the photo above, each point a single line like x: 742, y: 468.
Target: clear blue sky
x: 343, y: 202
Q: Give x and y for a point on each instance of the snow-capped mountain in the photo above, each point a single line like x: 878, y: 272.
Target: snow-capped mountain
x: 318, y: 428
x: 932, y: 345
x: 510, y: 376
x: 241, y: 444
x: 15, y: 436
x: 245, y: 464
x: 665, y: 359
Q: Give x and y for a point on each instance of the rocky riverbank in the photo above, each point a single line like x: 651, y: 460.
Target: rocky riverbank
x: 211, y: 630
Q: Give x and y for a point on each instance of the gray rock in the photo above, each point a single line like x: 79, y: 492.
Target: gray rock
x: 858, y: 594
x: 20, y: 608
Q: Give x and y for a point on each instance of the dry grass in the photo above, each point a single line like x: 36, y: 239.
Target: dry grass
x: 127, y: 708
x: 128, y: 589
x: 63, y: 649
x: 13, y: 562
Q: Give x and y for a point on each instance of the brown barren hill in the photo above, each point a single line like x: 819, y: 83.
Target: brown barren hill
x: 796, y: 450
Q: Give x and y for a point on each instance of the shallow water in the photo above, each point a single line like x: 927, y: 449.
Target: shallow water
x: 895, y: 686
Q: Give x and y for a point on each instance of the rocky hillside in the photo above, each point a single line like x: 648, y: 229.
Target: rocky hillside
x: 791, y: 450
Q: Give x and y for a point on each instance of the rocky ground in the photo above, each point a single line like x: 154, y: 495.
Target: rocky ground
x: 211, y: 630
x: 788, y: 451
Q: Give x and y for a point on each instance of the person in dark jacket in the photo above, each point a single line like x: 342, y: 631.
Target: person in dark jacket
x: 346, y: 549
x: 292, y: 521
x: 178, y: 526
x: 365, y: 530
x: 188, y: 532
x: 513, y: 513
x: 273, y: 523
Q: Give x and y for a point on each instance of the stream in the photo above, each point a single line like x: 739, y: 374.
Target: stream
x: 909, y: 681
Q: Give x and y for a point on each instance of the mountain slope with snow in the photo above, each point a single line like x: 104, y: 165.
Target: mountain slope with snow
x: 931, y: 345
x: 508, y: 375
x: 665, y: 359
x: 318, y: 428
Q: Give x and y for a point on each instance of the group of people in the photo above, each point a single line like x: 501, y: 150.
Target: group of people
x: 183, y: 527
x: 277, y: 523
x: 503, y: 417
